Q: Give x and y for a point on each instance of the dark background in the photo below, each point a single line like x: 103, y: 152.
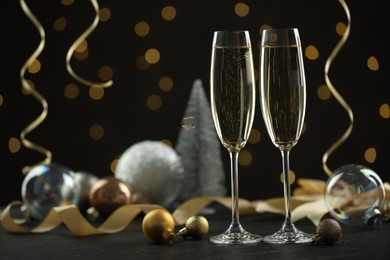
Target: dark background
x: 185, y: 47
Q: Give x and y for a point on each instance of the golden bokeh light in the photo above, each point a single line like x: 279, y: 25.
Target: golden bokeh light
x: 105, y: 73
x: 245, y: 158
x: 81, y: 55
x: 67, y: 2
x: 323, y: 92
x: 255, y: 136
x: 96, y: 93
x: 34, y: 67
x: 96, y: 132
x: 14, y: 145
x: 113, y: 165
x: 154, y: 102
x: 241, y: 9
x: 82, y: 47
x: 340, y: 28
x: 141, y: 63
x: 60, y: 24
x: 167, y: 142
x: 370, y: 155
x: 152, y: 56
x: 1, y: 100
x: 384, y: 111
x: 292, y: 177
x: 311, y: 52
x: 263, y: 27
x: 165, y: 83
x: 373, y: 63
x: 104, y: 14
x: 168, y: 13
x: 71, y: 91
x: 273, y: 37
x: 142, y: 28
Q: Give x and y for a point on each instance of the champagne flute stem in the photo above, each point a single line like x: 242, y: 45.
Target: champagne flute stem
x: 234, y: 184
x: 287, y: 189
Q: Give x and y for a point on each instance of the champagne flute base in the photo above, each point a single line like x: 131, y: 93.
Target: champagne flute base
x: 236, y: 237
x: 288, y: 237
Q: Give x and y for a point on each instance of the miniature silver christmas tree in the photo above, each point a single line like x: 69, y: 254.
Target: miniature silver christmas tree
x: 200, y: 149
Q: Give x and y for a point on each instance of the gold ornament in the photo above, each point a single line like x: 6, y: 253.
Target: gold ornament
x: 196, y: 227
x: 159, y: 225
x: 108, y: 194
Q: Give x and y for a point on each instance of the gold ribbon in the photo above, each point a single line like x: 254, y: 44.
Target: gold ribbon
x: 71, y: 217
x: 26, y: 85
x: 304, y: 205
x: 73, y: 47
x: 307, y: 202
x: 336, y: 94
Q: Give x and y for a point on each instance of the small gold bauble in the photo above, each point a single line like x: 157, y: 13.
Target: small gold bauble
x: 196, y: 227
x: 158, y: 225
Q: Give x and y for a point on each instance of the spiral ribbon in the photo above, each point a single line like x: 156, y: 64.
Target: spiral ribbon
x: 73, y: 47
x: 335, y: 93
x: 26, y: 86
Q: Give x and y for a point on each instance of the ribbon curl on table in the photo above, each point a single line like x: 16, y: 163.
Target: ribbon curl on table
x: 123, y: 216
x: 26, y: 86
x: 75, y: 221
x: 335, y: 93
x: 307, y: 201
x: 78, y: 41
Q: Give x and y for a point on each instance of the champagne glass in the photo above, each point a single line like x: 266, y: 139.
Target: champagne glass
x: 283, y: 105
x: 233, y: 106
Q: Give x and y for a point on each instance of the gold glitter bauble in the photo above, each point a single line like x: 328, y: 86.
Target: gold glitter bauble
x: 196, y: 227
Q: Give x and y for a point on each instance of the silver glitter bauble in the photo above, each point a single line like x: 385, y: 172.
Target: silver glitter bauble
x: 84, y: 181
x: 48, y: 186
x: 152, y: 169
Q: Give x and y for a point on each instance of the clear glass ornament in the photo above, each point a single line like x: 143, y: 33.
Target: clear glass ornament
x: 354, y: 195
x: 47, y: 186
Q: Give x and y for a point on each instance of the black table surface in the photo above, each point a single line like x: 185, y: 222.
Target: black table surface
x: 357, y: 242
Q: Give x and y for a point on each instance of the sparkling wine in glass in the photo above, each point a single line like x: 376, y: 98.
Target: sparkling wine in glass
x: 233, y: 106
x: 283, y: 105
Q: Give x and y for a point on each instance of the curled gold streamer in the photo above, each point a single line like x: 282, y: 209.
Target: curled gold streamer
x: 309, y: 205
x: 26, y: 85
x: 336, y: 94
x: 71, y: 217
x: 73, y: 47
